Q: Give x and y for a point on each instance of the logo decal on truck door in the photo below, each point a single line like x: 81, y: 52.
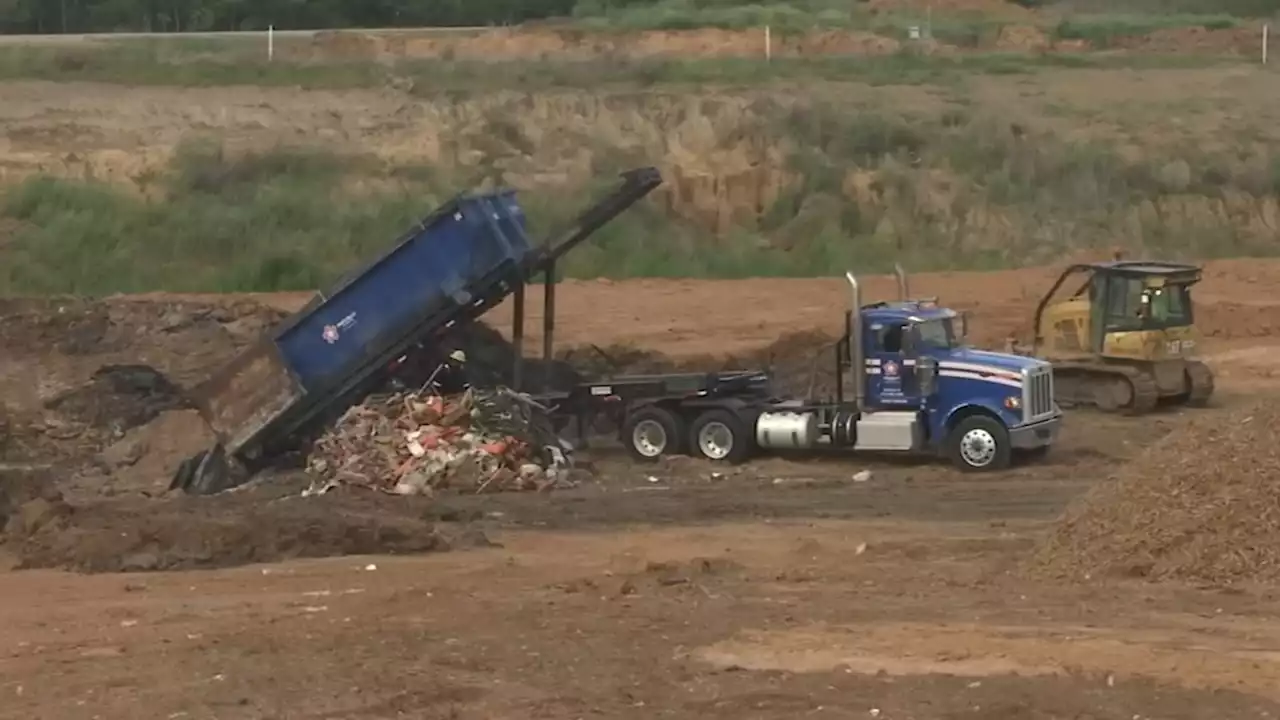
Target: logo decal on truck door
x: 332, y: 333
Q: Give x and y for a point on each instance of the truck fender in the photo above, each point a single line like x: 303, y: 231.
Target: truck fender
x: 960, y: 412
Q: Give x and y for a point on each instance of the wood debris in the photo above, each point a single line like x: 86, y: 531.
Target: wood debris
x: 1200, y: 505
x: 420, y: 443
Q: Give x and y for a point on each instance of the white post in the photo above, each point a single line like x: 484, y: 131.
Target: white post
x: 1266, y: 30
x: 768, y: 44
x: 271, y: 42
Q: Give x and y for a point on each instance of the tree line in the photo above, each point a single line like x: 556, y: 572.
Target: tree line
x: 86, y: 16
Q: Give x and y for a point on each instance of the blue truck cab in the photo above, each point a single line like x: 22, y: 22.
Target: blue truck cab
x: 925, y: 389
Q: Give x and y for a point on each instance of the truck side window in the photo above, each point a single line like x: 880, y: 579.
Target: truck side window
x: 890, y: 338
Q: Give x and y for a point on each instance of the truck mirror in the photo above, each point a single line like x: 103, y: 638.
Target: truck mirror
x: 909, y: 341
x: 927, y: 375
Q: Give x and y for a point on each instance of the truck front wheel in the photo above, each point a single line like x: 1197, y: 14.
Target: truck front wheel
x: 979, y: 444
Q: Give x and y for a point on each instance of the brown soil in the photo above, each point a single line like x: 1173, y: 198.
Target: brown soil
x: 546, y: 43
x: 728, y: 621
x: 144, y: 460
x: 1022, y: 38
x: 1242, y: 41
x: 1200, y: 505
x: 258, y: 524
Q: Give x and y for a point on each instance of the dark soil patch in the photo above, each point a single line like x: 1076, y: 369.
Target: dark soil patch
x: 255, y: 525
x: 801, y: 363
x: 120, y: 397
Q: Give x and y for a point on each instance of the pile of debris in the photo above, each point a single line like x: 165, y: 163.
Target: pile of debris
x: 1200, y: 505
x: 418, y: 443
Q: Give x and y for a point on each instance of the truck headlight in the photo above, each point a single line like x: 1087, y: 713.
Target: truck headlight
x: 1013, y: 402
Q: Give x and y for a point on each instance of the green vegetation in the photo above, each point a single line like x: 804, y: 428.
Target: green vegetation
x: 80, y: 16
x: 172, y: 63
x: 84, y: 16
x: 942, y: 192
x: 1102, y: 31
x: 861, y: 188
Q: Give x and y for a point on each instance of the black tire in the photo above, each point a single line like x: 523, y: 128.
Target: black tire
x: 979, y: 428
x: 741, y: 443
x: 649, y: 418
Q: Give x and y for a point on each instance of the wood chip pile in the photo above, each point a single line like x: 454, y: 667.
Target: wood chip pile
x: 1201, y: 505
x: 419, y: 443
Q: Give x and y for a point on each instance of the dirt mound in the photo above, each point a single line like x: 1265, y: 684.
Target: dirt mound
x: 491, y: 359
x: 593, y: 361
x: 120, y: 397
x: 1022, y: 38
x: 1201, y: 504
x: 802, y: 363
x: 255, y: 525
x: 345, y: 45
x: 145, y: 459
x: 1199, y: 40
x: 19, y: 486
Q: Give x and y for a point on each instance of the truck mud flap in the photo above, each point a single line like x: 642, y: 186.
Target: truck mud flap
x: 208, y: 472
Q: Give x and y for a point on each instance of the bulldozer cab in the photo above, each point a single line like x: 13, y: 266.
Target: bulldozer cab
x: 1133, y: 298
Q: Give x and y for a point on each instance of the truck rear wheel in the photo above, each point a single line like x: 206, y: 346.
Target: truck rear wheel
x: 652, y: 432
x: 722, y: 436
x: 979, y: 444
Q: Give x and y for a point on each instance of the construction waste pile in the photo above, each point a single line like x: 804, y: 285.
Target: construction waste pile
x: 421, y: 443
x: 1200, y: 505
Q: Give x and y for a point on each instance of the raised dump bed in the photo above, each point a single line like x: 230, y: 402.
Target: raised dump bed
x: 458, y: 262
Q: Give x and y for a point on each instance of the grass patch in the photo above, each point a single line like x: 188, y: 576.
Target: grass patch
x: 155, y: 64
x: 129, y: 65
x: 1234, y: 8
x: 950, y: 187
x: 1102, y: 31
x: 279, y: 220
x: 694, y: 14
x: 870, y: 189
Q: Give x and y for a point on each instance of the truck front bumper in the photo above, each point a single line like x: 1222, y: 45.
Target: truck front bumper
x: 1037, y: 434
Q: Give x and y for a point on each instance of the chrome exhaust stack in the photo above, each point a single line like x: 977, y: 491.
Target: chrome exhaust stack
x: 856, y: 359
x: 904, y: 290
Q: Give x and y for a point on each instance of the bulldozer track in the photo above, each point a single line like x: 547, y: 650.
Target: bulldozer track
x: 1083, y: 385
x: 1200, y: 378
x: 1146, y: 394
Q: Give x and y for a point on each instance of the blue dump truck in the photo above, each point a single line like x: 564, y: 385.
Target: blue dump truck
x: 921, y: 389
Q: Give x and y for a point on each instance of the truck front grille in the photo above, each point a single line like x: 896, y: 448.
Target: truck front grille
x: 1037, y: 394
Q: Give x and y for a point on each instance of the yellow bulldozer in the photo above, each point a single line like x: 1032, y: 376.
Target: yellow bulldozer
x: 1125, y: 340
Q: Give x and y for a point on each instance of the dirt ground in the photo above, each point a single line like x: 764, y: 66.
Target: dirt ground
x: 778, y: 589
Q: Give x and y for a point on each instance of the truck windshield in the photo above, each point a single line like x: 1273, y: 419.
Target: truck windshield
x: 937, y: 334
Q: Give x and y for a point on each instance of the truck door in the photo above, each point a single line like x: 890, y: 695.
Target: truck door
x: 890, y: 373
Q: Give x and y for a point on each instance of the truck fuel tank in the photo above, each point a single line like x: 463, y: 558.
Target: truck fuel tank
x: 787, y: 430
